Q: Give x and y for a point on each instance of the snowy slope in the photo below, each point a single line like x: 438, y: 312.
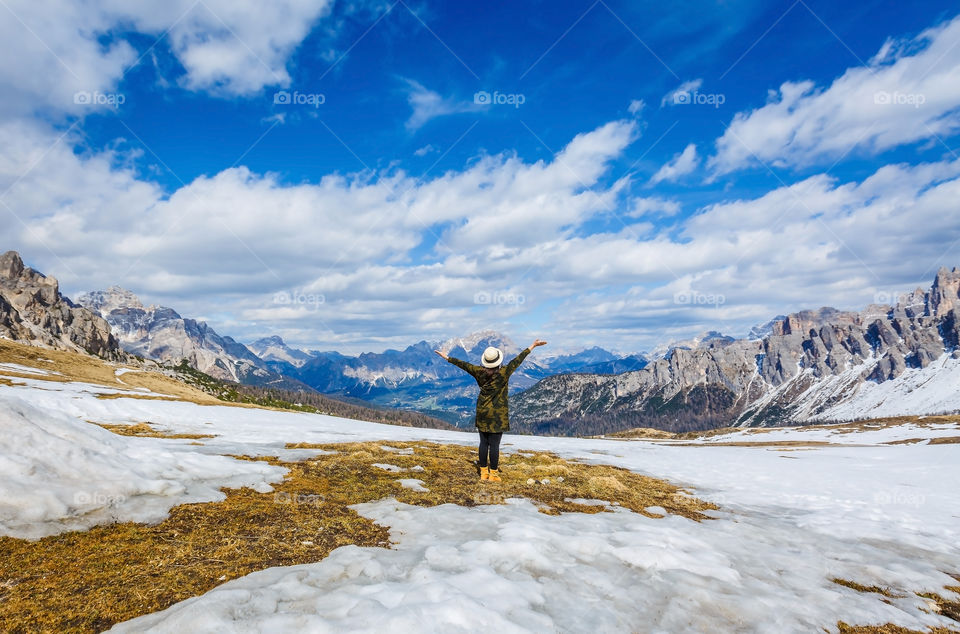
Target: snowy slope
x: 789, y: 522
x: 58, y: 473
x: 930, y: 390
x: 846, y: 396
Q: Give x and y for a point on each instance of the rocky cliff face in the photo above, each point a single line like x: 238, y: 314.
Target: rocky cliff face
x: 33, y: 310
x: 809, y: 366
x: 160, y: 333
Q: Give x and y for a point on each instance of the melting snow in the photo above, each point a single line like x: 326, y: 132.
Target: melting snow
x: 875, y: 514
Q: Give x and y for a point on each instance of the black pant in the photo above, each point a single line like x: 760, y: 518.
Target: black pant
x: 490, y: 441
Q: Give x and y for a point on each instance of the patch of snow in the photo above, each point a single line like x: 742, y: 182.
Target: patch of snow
x: 930, y: 390
x: 413, y: 483
x: 451, y: 565
x: 23, y: 369
x: 58, y: 473
x: 587, y: 501
x: 388, y: 467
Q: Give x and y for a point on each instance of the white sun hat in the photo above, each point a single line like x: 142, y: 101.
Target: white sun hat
x: 492, y: 358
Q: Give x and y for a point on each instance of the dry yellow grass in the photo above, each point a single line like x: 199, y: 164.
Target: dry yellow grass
x: 73, y: 366
x: 87, y: 581
x: 947, y: 608
x: 640, y: 432
x: 889, y: 628
x: 873, y: 424
x: 853, y: 585
x: 765, y: 443
x: 146, y: 430
x: 945, y: 440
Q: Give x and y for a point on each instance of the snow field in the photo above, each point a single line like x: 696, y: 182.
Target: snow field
x: 789, y: 522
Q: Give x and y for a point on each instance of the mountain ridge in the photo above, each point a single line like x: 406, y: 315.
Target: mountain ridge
x: 805, y: 369
x: 161, y: 333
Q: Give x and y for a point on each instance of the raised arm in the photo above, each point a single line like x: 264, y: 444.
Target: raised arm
x: 517, y: 360
x: 469, y: 368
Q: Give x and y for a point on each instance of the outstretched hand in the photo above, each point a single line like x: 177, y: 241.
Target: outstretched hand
x: 538, y: 342
x: 442, y: 355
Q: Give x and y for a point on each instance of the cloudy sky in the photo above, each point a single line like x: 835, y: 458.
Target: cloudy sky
x: 361, y: 175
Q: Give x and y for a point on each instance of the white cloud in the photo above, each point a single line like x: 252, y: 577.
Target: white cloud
x: 428, y: 104
x: 680, y: 165
x: 54, y: 50
x: 640, y: 207
x: 671, y: 98
x: 636, y: 107
x: 817, y: 242
x: 426, y: 149
x: 224, y: 245
x: 502, y: 202
x: 910, y: 92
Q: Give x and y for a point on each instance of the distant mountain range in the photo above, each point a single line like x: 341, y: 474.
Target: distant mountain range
x: 815, y: 365
x: 416, y: 378
x: 413, y: 378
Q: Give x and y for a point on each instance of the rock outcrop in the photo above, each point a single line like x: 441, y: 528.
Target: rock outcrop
x: 33, y: 310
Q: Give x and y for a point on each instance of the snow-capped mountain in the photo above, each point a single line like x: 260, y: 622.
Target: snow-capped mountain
x: 274, y: 349
x: 33, y: 310
x: 815, y: 365
x: 416, y: 378
x: 160, y: 333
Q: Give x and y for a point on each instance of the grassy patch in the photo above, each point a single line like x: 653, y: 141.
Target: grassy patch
x: 853, y: 585
x: 73, y: 366
x: 945, y: 440
x: 946, y: 607
x: 764, y: 443
x: 888, y: 628
x: 640, y: 432
x: 450, y: 472
x: 146, y: 430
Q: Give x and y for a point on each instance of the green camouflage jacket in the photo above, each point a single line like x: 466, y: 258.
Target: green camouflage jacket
x: 493, y: 410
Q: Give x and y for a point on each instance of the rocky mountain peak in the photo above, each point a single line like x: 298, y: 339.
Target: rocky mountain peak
x: 802, y: 322
x: 481, y: 339
x: 114, y: 298
x: 945, y: 292
x: 706, y: 339
x: 32, y: 310
x: 11, y: 265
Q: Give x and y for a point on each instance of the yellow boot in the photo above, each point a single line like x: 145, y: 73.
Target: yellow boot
x: 494, y: 475
x: 485, y: 473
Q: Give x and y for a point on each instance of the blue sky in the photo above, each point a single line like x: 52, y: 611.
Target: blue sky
x: 332, y: 172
